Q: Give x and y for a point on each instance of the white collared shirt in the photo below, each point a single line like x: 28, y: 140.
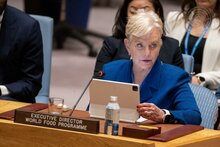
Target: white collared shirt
x: 1, y: 17
x: 2, y: 87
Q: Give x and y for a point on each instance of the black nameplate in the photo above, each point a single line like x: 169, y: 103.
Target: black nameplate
x: 57, y: 121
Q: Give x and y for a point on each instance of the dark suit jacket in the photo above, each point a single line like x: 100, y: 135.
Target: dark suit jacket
x: 166, y: 86
x: 21, y: 55
x: 114, y: 49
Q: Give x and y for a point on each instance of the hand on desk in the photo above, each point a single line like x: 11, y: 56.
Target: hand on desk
x: 195, y: 80
x: 151, y: 112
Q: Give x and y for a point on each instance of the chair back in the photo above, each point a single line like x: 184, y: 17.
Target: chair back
x: 207, y: 103
x: 188, y: 62
x: 46, y: 26
x: 218, y: 118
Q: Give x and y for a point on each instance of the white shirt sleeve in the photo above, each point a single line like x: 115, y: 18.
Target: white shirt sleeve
x: 4, y: 90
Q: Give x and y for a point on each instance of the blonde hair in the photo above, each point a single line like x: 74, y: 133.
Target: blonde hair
x: 142, y: 23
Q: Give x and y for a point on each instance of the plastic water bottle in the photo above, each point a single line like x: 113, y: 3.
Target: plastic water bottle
x: 112, y: 114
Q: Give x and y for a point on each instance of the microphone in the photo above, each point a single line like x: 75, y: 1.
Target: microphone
x: 99, y: 75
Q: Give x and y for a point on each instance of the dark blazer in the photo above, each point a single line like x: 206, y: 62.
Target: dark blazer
x: 166, y: 86
x: 114, y: 49
x: 21, y: 55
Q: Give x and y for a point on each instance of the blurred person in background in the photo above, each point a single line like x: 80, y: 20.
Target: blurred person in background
x: 197, y: 28
x: 113, y: 47
x: 21, y: 55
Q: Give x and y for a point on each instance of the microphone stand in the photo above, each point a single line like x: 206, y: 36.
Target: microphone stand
x: 74, y: 107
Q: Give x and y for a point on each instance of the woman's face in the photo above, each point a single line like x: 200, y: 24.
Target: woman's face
x: 135, y: 5
x: 206, y: 3
x: 144, y: 50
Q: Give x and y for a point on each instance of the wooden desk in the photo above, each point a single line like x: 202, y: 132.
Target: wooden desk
x: 20, y: 135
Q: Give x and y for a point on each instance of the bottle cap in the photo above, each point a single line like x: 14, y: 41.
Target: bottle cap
x: 113, y: 98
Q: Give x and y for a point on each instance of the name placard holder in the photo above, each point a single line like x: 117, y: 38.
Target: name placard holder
x: 57, y: 121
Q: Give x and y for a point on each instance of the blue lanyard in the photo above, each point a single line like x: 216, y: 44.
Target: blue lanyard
x: 198, y: 40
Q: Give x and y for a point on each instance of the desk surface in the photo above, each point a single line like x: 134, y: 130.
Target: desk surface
x: 20, y: 135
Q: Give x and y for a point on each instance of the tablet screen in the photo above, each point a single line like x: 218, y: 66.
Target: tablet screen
x: 128, y: 97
